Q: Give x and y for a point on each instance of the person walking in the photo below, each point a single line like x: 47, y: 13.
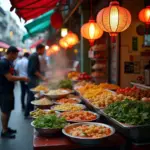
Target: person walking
x: 7, y: 79
x: 21, y: 68
x: 34, y: 75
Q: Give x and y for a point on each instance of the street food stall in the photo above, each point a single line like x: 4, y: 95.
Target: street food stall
x: 75, y: 113
x: 79, y: 110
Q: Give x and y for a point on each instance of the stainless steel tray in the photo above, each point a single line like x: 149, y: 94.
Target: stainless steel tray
x: 90, y: 106
x: 138, y: 134
x: 85, y: 140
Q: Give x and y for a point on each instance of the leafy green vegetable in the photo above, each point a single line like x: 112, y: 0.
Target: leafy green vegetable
x: 67, y: 84
x: 130, y: 112
x: 50, y: 121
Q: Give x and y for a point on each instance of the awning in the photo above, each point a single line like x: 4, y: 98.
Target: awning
x: 3, y: 45
x: 36, y: 43
x: 38, y: 25
x: 30, y: 9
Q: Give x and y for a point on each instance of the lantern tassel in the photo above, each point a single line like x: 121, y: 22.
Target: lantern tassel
x: 91, y: 42
x: 147, y: 28
x: 113, y: 39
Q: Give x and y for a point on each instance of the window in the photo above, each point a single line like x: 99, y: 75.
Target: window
x: 147, y: 40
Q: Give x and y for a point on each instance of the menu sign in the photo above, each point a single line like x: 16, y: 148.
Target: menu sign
x: 132, y: 67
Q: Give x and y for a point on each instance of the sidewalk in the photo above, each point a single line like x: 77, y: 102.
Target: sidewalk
x: 23, y: 140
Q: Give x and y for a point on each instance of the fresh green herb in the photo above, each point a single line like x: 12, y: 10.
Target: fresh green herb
x: 130, y: 112
x: 50, y: 121
x: 67, y: 84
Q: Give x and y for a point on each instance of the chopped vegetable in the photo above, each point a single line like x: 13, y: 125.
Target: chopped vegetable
x: 50, y: 121
x: 40, y: 112
x: 67, y: 101
x: 79, y: 116
x: 66, y: 84
x: 90, y: 131
x: 130, y: 112
x: 68, y: 107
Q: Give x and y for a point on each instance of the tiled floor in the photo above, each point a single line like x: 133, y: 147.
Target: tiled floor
x: 23, y: 139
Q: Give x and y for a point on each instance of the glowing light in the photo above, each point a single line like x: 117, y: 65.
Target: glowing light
x: 114, y: 19
x: 64, y: 32
x: 63, y: 43
x: 91, y: 31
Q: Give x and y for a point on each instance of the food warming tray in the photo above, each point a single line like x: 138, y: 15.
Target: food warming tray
x: 139, y: 134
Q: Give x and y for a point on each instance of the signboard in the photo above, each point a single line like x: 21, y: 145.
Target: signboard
x: 134, y: 43
x: 128, y: 67
x: 132, y: 67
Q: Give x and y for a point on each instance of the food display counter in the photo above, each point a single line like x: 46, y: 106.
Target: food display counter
x: 61, y: 142
x: 91, y: 98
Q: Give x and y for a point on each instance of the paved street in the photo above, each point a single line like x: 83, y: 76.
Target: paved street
x: 23, y: 139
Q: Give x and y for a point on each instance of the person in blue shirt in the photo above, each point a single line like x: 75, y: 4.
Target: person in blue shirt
x: 7, y: 79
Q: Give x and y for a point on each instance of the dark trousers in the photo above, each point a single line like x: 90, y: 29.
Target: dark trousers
x: 29, y: 107
x: 24, y: 91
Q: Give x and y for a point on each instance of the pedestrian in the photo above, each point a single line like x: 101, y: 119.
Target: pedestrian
x: 21, y: 69
x: 34, y: 75
x: 7, y: 79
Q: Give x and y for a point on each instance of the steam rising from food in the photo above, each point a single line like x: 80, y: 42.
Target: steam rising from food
x: 59, y: 66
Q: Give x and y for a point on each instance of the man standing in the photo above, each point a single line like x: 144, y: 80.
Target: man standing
x: 7, y: 80
x: 21, y: 68
x: 34, y: 75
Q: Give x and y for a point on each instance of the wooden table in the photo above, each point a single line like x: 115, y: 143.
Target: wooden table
x: 61, y: 142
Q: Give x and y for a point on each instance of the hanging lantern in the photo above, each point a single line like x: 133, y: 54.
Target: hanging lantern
x: 144, y: 16
x: 64, y: 32
x: 63, y: 43
x: 114, y: 19
x: 56, y: 20
x: 71, y: 39
x: 55, y: 48
x: 91, y: 31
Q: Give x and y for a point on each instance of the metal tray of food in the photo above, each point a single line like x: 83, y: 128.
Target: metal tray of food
x: 137, y: 134
x: 77, y: 92
x: 90, y: 106
x: 87, y: 140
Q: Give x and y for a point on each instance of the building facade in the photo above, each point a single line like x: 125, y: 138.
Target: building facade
x: 10, y: 32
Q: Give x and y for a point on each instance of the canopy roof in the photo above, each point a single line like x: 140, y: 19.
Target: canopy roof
x: 3, y: 45
x: 30, y: 9
x: 38, y: 25
x: 36, y: 43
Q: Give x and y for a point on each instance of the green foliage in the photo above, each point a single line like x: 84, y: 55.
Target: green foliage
x: 130, y: 112
x: 50, y: 121
x: 66, y: 84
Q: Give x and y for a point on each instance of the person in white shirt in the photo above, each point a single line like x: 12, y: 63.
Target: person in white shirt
x: 21, y: 69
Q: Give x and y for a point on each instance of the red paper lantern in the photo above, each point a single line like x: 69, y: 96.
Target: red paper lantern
x: 144, y: 15
x: 71, y: 39
x: 56, y: 20
x: 114, y: 19
x: 55, y: 48
x: 63, y: 43
x: 91, y: 31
